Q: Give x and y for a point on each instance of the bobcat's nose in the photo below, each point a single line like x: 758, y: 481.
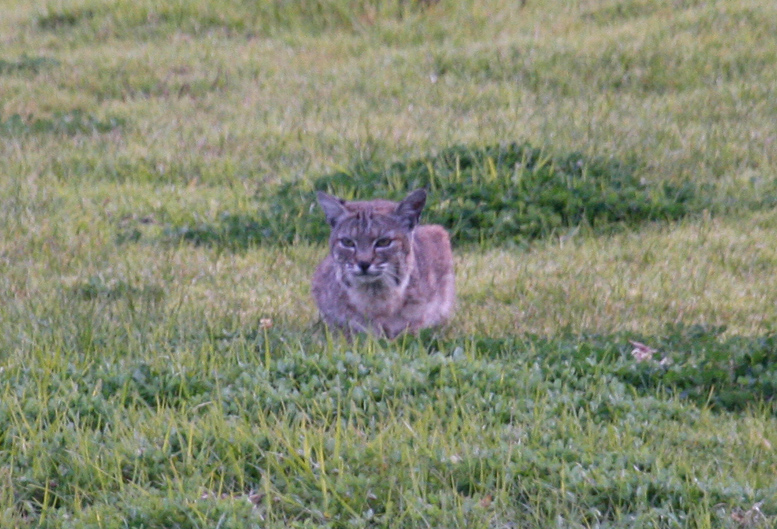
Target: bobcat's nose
x: 363, y: 266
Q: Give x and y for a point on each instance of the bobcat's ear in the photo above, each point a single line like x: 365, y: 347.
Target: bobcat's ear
x: 333, y: 207
x: 409, y: 210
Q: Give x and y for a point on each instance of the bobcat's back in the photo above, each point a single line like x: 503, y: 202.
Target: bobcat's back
x: 384, y: 273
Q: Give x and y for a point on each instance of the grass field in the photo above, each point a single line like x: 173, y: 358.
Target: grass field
x: 608, y: 170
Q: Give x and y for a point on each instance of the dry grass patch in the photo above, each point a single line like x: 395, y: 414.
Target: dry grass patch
x: 709, y: 271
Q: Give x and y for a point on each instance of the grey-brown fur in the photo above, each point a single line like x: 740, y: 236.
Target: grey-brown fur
x: 385, y: 274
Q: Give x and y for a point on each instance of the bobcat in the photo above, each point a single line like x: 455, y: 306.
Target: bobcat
x: 384, y: 274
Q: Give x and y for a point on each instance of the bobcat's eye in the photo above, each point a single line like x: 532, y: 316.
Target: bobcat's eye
x: 383, y: 242
x: 347, y: 243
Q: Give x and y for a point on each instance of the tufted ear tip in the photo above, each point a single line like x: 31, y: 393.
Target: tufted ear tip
x: 411, y: 206
x: 333, y: 207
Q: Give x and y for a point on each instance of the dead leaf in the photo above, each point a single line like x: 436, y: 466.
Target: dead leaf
x: 256, y: 497
x: 752, y: 517
x: 642, y: 352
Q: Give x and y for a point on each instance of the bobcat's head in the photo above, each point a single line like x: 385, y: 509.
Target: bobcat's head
x: 371, y: 241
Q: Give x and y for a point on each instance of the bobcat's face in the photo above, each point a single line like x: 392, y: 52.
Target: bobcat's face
x: 371, y: 241
x: 369, y: 249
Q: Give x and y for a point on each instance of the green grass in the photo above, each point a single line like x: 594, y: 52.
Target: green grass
x: 501, y: 194
x: 607, y: 170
